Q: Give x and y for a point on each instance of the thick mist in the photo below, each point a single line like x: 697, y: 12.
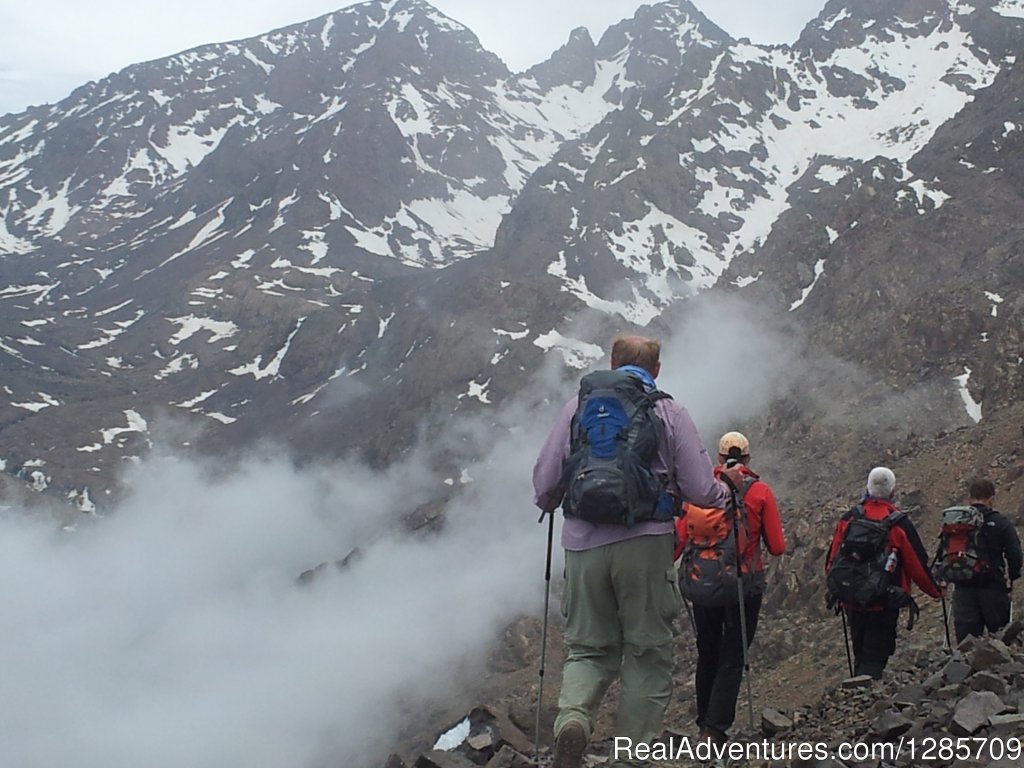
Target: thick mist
x: 726, y: 360
x: 171, y: 632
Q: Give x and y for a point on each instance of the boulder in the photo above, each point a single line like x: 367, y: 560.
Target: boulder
x: 987, y: 681
x: 973, y: 711
x: 860, y: 681
x: 774, y: 722
x: 956, y: 671
x: 891, y: 725
x: 437, y: 758
x: 506, y: 757
x: 987, y: 653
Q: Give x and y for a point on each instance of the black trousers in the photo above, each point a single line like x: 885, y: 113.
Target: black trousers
x: 720, y: 661
x: 976, y: 609
x: 873, y: 637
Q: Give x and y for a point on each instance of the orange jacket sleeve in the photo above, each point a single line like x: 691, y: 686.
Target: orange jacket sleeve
x: 680, y: 535
x: 771, y: 523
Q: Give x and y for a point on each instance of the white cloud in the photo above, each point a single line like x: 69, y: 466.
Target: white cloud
x: 727, y: 360
x: 171, y: 632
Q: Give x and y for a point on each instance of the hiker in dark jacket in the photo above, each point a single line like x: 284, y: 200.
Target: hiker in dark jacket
x: 720, y: 653
x: 873, y: 629
x: 984, y: 602
x: 621, y: 597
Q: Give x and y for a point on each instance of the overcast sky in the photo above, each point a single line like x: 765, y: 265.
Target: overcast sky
x: 49, y: 47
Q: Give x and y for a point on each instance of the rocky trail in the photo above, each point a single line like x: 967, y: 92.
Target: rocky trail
x: 935, y: 706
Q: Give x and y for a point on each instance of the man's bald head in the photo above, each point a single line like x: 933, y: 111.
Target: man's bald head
x: 637, y: 350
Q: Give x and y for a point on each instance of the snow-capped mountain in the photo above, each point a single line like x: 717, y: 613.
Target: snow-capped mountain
x: 701, y: 166
x: 353, y: 225
x: 417, y: 139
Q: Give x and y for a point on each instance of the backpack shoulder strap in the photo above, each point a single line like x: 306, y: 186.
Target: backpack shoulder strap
x: 736, y: 503
x: 741, y: 493
x: 894, y: 518
x: 853, y: 513
x: 988, y: 540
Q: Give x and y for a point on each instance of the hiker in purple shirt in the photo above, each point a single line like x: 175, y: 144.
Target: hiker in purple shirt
x: 621, y: 595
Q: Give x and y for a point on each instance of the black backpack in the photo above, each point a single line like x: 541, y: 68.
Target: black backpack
x: 862, y: 573
x: 614, y: 438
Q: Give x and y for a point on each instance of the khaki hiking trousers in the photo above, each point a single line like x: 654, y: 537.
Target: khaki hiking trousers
x: 620, y: 602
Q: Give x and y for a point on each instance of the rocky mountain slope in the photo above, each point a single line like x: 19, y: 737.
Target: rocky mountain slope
x: 341, y: 234
x: 345, y: 227
x: 798, y: 660
x: 938, y: 706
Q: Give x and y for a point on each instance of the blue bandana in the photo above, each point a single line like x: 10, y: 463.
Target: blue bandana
x: 641, y: 373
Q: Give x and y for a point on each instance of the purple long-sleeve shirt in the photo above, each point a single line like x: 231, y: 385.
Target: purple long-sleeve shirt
x: 681, y: 461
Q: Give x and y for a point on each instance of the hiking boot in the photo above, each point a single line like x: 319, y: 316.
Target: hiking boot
x: 714, y: 737
x: 570, y: 743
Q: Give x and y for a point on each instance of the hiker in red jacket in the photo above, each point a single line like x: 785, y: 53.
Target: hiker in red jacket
x: 720, y: 652
x: 873, y: 627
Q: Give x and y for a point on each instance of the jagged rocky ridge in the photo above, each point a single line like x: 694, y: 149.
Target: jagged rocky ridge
x: 351, y: 226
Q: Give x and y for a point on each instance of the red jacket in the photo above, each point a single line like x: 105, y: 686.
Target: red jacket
x: 763, y: 523
x: 903, y: 539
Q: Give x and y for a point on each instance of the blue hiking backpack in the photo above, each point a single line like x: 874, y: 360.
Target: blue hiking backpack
x: 614, y: 437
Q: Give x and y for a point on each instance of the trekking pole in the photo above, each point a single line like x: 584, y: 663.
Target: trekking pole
x: 945, y: 623
x: 746, y: 660
x: 741, y: 605
x: 689, y: 612
x: 544, y: 631
x: 846, y: 641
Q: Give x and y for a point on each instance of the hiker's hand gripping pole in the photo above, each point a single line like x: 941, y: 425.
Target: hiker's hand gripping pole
x: 732, y: 475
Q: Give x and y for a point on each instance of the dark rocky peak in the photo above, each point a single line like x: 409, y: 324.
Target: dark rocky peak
x: 656, y: 43
x: 675, y: 21
x: 414, y: 34
x: 848, y: 23
x: 867, y: 50
x: 845, y: 24
x: 115, y: 142
x: 574, y: 64
x: 657, y: 46
x: 382, y: 36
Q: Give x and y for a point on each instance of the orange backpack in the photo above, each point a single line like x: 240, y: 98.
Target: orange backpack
x: 710, y: 569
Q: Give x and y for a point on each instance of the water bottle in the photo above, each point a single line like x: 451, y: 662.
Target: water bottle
x: 890, y: 562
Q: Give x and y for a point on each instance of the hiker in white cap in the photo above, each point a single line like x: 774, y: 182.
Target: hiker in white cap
x: 876, y: 555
